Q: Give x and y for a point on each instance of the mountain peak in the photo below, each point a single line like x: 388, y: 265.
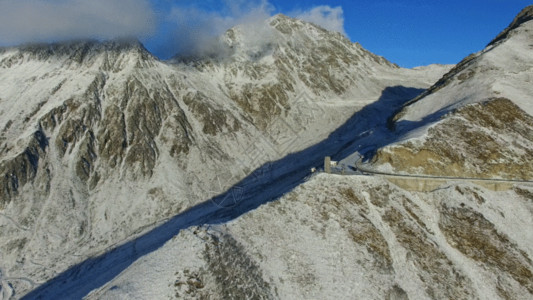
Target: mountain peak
x: 287, y: 25
x: 280, y: 33
x: 43, y: 51
x: 77, y: 52
x: 280, y: 17
x: 524, y: 16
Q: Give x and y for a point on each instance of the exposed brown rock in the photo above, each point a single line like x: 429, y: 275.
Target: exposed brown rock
x: 476, y: 237
x: 469, y: 143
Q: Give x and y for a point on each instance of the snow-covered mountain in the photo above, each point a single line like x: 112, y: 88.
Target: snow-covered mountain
x: 476, y: 121
x: 345, y: 237
x: 100, y: 141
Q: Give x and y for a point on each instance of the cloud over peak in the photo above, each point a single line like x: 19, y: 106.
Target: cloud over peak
x: 166, y: 27
x: 195, y: 30
x: 25, y: 21
x: 330, y: 18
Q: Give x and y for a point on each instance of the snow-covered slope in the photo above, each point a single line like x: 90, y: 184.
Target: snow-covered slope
x: 339, y: 237
x: 476, y: 121
x: 502, y: 69
x: 99, y: 141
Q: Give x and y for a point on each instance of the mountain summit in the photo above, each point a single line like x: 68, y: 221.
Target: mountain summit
x: 524, y: 16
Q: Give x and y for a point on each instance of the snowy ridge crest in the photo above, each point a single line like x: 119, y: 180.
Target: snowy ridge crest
x: 524, y: 16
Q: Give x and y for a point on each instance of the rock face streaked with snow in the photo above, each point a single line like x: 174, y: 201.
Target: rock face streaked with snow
x: 476, y: 121
x: 99, y: 141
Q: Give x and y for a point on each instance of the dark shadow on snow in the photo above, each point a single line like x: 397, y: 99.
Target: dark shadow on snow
x: 365, y: 130
x: 404, y: 126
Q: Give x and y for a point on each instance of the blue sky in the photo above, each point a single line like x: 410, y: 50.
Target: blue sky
x: 408, y: 32
x: 416, y: 32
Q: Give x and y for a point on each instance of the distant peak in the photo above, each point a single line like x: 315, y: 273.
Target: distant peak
x: 84, y: 52
x: 288, y: 25
x: 524, y: 16
x: 109, y: 44
x: 67, y: 48
x: 280, y: 17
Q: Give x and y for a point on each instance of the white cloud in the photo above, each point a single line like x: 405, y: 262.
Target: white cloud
x: 176, y: 28
x: 330, y: 18
x: 23, y: 21
x: 195, y: 31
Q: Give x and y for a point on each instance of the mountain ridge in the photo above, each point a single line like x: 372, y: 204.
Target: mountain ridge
x: 524, y: 16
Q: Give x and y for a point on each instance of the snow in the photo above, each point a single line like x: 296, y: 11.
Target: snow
x: 305, y: 254
x: 122, y: 210
x: 504, y: 70
x: 302, y: 243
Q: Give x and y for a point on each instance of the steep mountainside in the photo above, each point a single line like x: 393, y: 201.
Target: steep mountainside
x: 339, y: 237
x: 99, y: 141
x: 476, y: 121
x: 345, y: 237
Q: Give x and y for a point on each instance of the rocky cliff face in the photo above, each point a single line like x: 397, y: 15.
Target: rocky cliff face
x: 102, y: 140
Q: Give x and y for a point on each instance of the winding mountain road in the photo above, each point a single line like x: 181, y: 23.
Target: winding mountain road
x: 357, y: 168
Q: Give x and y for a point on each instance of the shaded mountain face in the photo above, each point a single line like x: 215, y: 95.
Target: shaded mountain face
x: 99, y: 141
x: 475, y: 121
